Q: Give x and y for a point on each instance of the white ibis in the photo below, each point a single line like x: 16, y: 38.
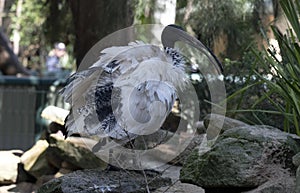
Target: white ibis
x: 130, y: 90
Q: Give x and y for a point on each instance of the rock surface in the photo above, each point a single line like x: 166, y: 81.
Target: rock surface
x: 95, y: 180
x: 172, y: 172
x: 72, y: 153
x: 35, y: 161
x: 55, y: 114
x: 297, y: 188
x: 296, y: 162
x: 244, y: 158
x: 23, y: 187
x: 166, y: 151
x: 9, y: 166
x: 181, y: 158
x: 296, y: 159
x: 216, y: 121
x: 228, y: 123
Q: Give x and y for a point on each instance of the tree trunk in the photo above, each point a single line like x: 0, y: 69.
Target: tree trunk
x: 220, y: 44
x: 16, y: 32
x: 164, y: 12
x: 2, y: 3
x: 94, y: 19
x: 9, y: 64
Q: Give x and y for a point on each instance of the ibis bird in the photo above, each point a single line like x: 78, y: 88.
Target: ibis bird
x: 129, y: 91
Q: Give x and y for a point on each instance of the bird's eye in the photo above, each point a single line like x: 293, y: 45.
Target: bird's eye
x: 139, y: 88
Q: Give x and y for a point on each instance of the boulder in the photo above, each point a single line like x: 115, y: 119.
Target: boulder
x: 172, y: 172
x: 181, y: 158
x: 296, y: 162
x: 9, y: 166
x: 179, y: 187
x: 55, y: 114
x: 297, y: 188
x: 296, y: 159
x: 167, y: 152
x: 35, y: 161
x: 95, y: 180
x: 73, y: 153
x: 284, y: 183
x: 23, y: 187
x: 152, y: 140
x: 216, y: 121
x: 244, y: 158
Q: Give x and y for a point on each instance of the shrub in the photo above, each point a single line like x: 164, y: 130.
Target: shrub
x: 279, y: 77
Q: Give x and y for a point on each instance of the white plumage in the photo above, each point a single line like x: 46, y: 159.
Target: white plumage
x: 128, y: 92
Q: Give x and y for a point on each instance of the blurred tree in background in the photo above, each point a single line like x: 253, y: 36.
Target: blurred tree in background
x: 9, y: 63
x: 271, y: 95
x: 27, y: 31
x: 34, y: 26
x: 94, y: 19
x: 231, y: 29
x: 227, y: 27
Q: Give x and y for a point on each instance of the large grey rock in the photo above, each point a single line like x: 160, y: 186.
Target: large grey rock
x: 35, y: 161
x: 23, y: 187
x: 181, y: 158
x: 282, y: 183
x: 297, y: 188
x: 243, y: 158
x: 165, y: 151
x: 296, y: 159
x: 296, y: 162
x: 172, y: 172
x: 72, y: 153
x: 179, y: 187
x: 9, y: 166
x: 95, y: 180
x: 220, y: 123
x: 152, y: 140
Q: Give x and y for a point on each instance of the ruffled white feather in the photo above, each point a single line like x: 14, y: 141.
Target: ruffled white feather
x: 147, y: 81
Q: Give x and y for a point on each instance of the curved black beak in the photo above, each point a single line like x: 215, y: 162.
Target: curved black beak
x: 173, y: 33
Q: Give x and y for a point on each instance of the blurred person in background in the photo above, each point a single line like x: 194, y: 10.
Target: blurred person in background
x: 57, y: 61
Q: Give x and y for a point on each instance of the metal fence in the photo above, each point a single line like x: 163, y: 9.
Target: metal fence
x: 21, y: 102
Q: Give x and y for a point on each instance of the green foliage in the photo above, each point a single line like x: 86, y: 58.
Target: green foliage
x: 222, y: 15
x: 31, y: 21
x: 282, y: 90
x: 144, y: 11
x: 212, y: 17
x: 40, y: 25
x: 59, y: 23
x: 39, y: 18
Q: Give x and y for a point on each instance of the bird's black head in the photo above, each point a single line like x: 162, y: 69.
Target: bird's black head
x: 169, y: 37
x: 173, y: 33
